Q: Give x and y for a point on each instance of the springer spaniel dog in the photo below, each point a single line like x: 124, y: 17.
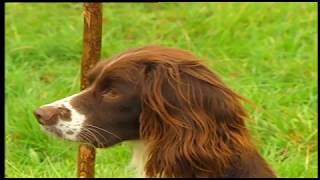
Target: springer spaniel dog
x: 186, y: 121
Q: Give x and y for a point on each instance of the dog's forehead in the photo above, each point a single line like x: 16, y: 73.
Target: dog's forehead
x: 109, y: 63
x: 114, y: 60
x: 101, y: 66
x: 98, y: 70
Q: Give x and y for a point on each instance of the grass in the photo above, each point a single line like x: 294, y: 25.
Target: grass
x: 265, y: 51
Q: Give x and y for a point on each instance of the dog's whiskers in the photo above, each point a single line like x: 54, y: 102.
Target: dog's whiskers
x: 98, y: 133
x: 105, y: 131
x: 93, y: 135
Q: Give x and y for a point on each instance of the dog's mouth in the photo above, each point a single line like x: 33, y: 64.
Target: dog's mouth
x: 52, y: 130
x: 81, y: 138
x: 98, y: 137
x: 56, y: 132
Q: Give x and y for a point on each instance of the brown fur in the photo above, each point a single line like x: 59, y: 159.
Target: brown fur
x: 192, y: 124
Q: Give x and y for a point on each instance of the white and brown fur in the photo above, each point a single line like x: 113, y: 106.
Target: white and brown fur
x: 180, y: 116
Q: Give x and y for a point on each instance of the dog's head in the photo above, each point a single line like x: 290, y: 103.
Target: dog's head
x: 105, y: 113
x: 165, y: 96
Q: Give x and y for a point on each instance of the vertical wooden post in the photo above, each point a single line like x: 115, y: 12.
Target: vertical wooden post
x: 90, y: 56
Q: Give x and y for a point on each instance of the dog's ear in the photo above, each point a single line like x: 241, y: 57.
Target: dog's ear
x: 189, y: 119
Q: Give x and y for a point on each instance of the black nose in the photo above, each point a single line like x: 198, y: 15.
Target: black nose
x: 46, y: 115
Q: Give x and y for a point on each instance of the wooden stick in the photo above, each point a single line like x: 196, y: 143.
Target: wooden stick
x: 90, y: 56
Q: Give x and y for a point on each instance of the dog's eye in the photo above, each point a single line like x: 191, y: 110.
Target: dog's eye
x: 110, y: 93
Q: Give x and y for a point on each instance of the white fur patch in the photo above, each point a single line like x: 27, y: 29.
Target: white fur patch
x: 76, y: 118
x: 138, y: 158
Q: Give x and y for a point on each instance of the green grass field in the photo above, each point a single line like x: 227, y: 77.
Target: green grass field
x: 265, y: 51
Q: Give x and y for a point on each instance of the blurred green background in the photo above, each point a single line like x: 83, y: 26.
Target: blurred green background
x: 265, y: 51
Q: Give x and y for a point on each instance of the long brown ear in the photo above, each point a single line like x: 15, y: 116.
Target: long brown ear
x: 190, y: 120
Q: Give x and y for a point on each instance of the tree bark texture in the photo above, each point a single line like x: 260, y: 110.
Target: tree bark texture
x: 90, y: 56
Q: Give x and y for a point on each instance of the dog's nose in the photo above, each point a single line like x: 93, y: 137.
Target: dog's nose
x: 46, y: 115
